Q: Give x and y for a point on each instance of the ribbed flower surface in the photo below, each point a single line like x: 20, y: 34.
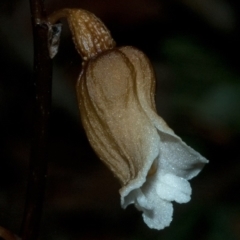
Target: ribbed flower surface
x: 115, y: 93
x: 116, y: 100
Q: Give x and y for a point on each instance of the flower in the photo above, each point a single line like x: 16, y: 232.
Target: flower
x: 116, y: 100
x: 115, y: 92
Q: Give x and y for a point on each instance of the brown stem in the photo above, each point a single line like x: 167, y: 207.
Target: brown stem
x: 38, y: 160
x: 57, y: 15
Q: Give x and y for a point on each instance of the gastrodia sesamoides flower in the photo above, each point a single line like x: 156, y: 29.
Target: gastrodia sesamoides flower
x: 115, y: 93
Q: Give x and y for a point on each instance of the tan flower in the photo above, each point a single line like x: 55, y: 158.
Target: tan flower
x: 116, y: 100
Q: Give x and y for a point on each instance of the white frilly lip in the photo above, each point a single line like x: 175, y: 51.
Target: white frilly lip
x: 176, y: 163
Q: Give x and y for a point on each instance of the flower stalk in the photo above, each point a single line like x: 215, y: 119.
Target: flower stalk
x: 42, y: 80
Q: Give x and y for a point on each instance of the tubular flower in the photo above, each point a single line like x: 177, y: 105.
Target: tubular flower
x: 115, y: 93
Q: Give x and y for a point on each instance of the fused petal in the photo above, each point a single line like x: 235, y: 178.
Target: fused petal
x: 117, y: 127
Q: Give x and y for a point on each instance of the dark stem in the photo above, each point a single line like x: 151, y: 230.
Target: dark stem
x: 38, y: 160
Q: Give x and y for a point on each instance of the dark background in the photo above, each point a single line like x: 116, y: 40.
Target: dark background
x: 194, y: 47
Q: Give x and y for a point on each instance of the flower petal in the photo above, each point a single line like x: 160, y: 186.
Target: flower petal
x: 173, y: 188
x: 118, y: 129
x: 160, y: 216
x: 145, y: 85
x: 178, y: 158
x: 157, y: 213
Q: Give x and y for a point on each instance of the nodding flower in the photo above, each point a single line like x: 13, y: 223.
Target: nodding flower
x: 115, y: 91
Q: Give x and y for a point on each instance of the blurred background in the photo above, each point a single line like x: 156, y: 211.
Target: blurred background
x: 194, y: 48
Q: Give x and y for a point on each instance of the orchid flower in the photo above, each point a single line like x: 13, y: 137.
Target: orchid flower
x: 115, y: 93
